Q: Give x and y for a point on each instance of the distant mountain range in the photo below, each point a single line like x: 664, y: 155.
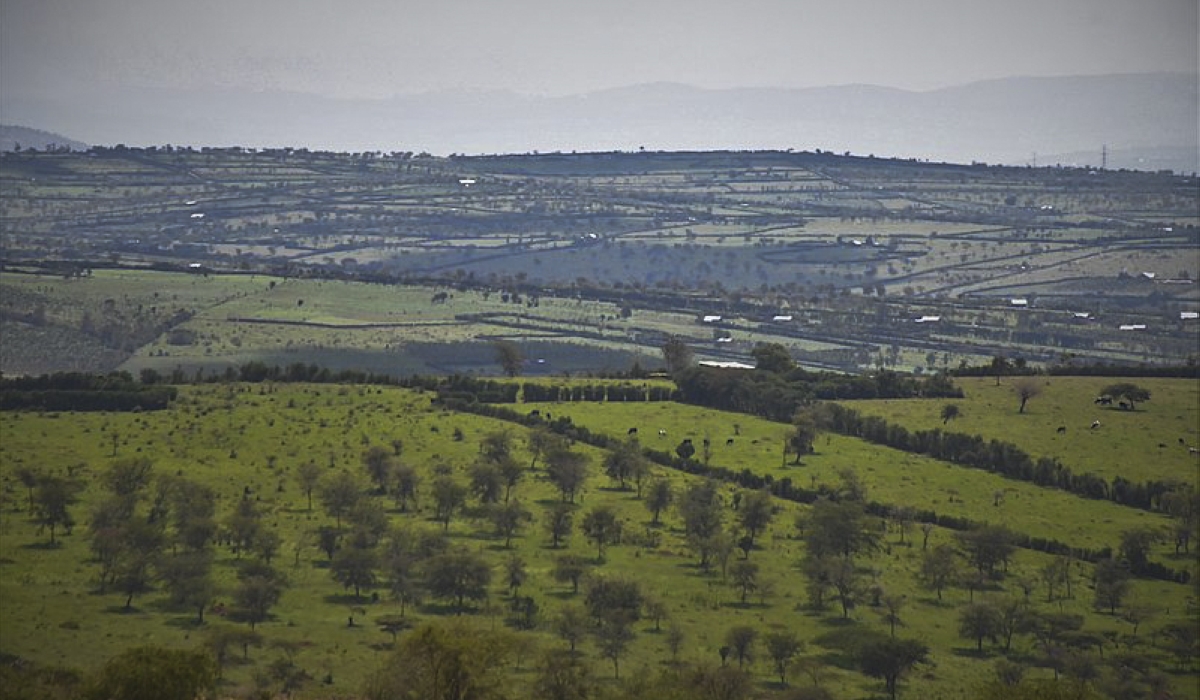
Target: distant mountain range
x: 1146, y: 121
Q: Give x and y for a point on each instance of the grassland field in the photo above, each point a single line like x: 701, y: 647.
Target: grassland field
x: 236, y: 436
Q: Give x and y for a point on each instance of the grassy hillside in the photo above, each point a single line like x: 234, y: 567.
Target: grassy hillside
x: 248, y: 442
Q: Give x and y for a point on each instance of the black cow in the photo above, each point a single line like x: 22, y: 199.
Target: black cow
x: 632, y: 431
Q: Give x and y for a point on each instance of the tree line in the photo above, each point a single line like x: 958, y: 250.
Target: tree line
x: 999, y: 457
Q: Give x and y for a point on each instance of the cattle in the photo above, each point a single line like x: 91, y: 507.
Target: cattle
x: 1103, y: 400
x: 632, y: 431
x: 662, y: 433
x: 1193, y: 450
x: 1095, y: 424
x: 1124, y: 405
x: 1061, y: 429
x: 729, y: 442
x: 535, y: 413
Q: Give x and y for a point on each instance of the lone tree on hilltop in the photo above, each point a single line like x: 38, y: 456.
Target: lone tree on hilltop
x: 1132, y: 393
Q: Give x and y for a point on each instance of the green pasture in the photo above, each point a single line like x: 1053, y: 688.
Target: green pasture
x: 1147, y: 444
x: 236, y: 437
x: 892, y: 477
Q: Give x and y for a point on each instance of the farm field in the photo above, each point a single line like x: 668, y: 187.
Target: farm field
x: 855, y: 249
x: 247, y: 443
x: 1149, y: 443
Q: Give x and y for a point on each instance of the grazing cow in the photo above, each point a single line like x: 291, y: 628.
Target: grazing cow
x: 729, y: 442
x: 663, y: 433
x: 1193, y: 450
x: 1095, y: 424
x: 1162, y: 445
x: 535, y: 413
x: 1103, y: 400
x: 632, y: 431
x: 1061, y: 429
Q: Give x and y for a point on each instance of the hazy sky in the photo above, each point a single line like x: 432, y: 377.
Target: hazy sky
x: 377, y: 48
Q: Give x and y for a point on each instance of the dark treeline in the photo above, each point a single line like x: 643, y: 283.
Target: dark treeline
x: 776, y: 396
x: 786, y: 489
x: 999, y: 457
x: 78, y: 391
x: 596, y: 392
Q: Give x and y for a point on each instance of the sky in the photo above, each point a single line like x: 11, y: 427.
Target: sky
x: 381, y: 48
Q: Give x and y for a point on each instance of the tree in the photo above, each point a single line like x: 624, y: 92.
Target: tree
x: 153, y: 673
x: 308, y: 475
x: 52, y: 499
x: 977, y: 621
x: 570, y: 567
x: 939, y: 567
x: 448, y: 497
x: 755, y: 514
x: 571, y: 625
x: 987, y: 547
x: 659, y: 498
x: 378, y: 462
x: 806, y: 426
x: 685, y: 450
x: 562, y: 675
x: 259, y: 589
x: 613, y: 637
x: 508, y: 518
x: 458, y: 576
x: 740, y: 640
x: 542, y: 441
x: 1135, y: 547
x: 509, y: 357
x: 949, y: 412
x: 602, y: 527
x: 339, y: 493
x: 354, y: 567
x: 1112, y: 585
x: 772, y: 357
x: 1132, y: 393
x: 700, y: 509
x: 893, y: 603
x: 567, y: 470
x: 745, y: 577
x: 1026, y: 388
x: 447, y: 660
x: 486, y: 482
x: 405, y: 482
x: 393, y: 625
x: 890, y: 658
x: 559, y: 522
x: 614, y: 599
x: 782, y: 647
x: 624, y: 462
x: 677, y: 355
x: 839, y: 528
x: 188, y: 579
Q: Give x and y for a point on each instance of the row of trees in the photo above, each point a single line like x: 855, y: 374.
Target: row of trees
x: 996, y: 456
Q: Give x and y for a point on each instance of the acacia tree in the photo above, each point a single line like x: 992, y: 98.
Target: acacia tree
x: 890, y: 658
x: 602, y: 527
x: 1026, y: 388
x: 559, y: 522
x: 659, y: 498
x: 782, y: 647
x: 567, y: 470
x: 448, y: 497
x: 755, y: 514
x: 52, y: 499
x: 339, y: 493
x: 949, y: 412
x: 1132, y: 393
x: 458, y: 576
x: 377, y: 461
x: 308, y: 475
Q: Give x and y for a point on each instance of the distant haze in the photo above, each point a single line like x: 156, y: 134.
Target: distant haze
x: 233, y: 72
